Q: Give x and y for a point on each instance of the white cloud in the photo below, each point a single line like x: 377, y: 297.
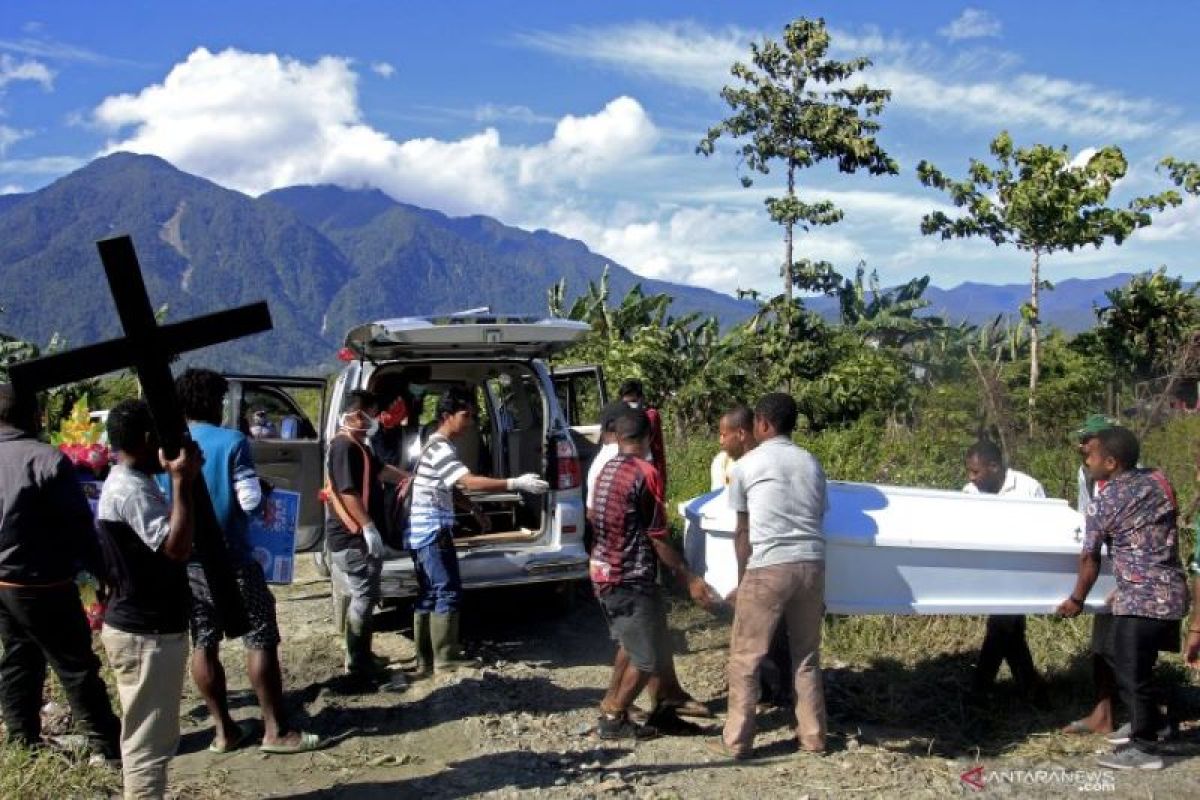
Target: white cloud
x: 972, y: 23
x: 583, y: 146
x: 682, y: 53
x: 11, y: 188
x: 9, y: 137
x: 491, y: 112
x: 383, y: 69
x: 1175, y: 224
x: 42, y: 166
x: 12, y: 70
x: 57, y: 51
x: 984, y: 92
x: 256, y: 122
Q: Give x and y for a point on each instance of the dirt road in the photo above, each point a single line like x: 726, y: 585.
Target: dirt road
x: 522, y: 726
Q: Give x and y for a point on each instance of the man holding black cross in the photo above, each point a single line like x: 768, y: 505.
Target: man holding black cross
x: 148, y: 348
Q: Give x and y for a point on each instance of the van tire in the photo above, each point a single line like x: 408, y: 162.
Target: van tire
x: 563, y: 597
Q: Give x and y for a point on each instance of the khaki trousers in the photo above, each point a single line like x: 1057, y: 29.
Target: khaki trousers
x: 794, y: 593
x: 149, y: 671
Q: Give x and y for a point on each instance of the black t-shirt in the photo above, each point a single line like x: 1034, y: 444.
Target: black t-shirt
x: 150, y: 591
x: 346, y: 477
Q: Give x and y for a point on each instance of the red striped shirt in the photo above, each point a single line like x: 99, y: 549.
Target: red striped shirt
x: 627, y: 513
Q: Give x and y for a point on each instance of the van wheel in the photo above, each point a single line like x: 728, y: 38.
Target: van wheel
x: 564, y: 597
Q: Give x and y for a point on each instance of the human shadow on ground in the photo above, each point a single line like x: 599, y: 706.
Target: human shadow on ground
x: 520, y: 771
x: 927, y: 709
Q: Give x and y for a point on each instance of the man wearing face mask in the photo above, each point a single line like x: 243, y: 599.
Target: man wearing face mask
x: 354, y: 514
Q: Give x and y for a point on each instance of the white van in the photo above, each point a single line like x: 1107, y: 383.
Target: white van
x: 524, y: 424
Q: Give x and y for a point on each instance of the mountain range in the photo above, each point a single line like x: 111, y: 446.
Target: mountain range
x: 326, y: 258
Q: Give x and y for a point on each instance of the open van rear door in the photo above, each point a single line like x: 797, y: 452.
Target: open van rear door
x: 282, y: 416
x: 581, y: 394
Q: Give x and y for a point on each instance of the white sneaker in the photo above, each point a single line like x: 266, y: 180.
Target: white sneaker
x: 1121, y: 734
x: 1130, y: 757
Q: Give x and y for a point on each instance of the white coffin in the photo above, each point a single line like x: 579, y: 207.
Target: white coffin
x: 900, y: 550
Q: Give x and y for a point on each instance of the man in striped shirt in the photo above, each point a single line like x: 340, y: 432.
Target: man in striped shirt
x: 439, y: 474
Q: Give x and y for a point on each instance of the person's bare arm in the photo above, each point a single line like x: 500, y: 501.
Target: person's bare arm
x: 480, y: 483
x: 391, y: 474
x: 700, y: 592
x: 183, y: 470
x: 1089, y: 571
x: 355, y: 508
x: 741, y: 543
x: 1191, y: 648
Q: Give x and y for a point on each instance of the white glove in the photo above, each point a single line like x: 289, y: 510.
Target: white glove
x: 529, y: 482
x: 374, y: 541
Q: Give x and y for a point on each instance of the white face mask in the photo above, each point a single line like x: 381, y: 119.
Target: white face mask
x: 359, y: 421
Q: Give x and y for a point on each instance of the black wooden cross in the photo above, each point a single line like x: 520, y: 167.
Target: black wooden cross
x: 148, y: 348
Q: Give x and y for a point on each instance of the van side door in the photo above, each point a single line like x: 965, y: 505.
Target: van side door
x: 282, y: 417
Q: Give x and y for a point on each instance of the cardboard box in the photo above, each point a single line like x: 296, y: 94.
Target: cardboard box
x: 273, y: 535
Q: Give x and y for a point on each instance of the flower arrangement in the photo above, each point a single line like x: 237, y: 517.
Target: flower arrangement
x: 81, y: 439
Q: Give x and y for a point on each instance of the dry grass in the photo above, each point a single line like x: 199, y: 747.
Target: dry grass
x: 47, y: 774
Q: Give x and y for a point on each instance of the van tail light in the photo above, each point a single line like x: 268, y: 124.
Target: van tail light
x: 569, y: 473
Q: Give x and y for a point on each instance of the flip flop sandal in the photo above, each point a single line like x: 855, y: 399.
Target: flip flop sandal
x: 1077, y: 728
x: 306, y: 743
x: 691, y: 707
x: 230, y: 746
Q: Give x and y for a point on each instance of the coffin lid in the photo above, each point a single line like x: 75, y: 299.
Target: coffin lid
x: 899, y: 516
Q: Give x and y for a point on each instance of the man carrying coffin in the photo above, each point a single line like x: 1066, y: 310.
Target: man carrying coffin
x: 1136, y: 515
x: 1005, y: 637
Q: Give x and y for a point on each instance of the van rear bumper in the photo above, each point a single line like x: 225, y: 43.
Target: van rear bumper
x: 482, y: 569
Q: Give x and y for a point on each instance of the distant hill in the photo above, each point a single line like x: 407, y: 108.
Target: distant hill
x: 1070, y: 306
x: 326, y: 258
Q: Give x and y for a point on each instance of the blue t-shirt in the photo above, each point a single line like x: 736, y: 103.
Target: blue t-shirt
x: 227, y: 460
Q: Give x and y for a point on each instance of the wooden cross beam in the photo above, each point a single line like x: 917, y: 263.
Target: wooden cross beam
x: 148, y: 349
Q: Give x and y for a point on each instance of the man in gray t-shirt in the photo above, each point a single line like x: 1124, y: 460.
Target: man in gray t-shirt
x: 778, y: 492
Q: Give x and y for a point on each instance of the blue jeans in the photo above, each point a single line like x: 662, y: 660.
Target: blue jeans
x: 439, y: 584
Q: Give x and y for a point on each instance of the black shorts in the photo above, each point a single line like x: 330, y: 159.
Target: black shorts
x: 637, y: 621
x: 256, y: 597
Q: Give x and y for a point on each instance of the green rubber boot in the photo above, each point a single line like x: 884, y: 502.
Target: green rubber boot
x: 447, y: 651
x: 424, y: 643
x: 360, y: 661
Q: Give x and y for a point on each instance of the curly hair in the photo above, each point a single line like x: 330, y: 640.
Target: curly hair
x: 201, y: 393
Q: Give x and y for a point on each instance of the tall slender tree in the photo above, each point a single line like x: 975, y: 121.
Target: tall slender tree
x: 796, y: 107
x: 1039, y: 201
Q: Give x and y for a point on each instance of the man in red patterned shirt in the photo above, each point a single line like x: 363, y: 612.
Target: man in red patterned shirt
x: 630, y: 522
x: 1136, y: 515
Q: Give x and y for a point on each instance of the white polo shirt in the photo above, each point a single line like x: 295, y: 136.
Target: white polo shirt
x: 1016, y: 484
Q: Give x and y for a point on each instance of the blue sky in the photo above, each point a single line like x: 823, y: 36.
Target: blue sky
x: 583, y: 118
